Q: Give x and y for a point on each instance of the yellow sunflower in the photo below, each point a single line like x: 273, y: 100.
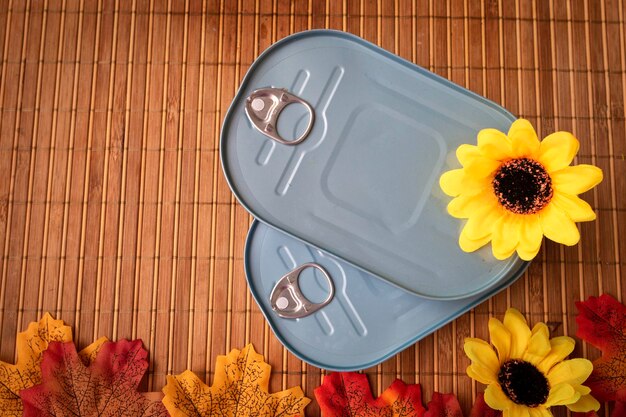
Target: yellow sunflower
x: 526, y: 374
x: 514, y: 189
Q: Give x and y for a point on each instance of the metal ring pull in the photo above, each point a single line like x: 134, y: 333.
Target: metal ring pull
x: 264, y: 106
x: 288, y: 301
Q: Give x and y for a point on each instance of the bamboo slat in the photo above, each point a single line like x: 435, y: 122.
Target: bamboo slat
x: 116, y: 218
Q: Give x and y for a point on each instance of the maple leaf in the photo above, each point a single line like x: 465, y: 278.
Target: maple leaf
x: 347, y: 394
x: 26, y: 373
x: 88, y: 354
x: 602, y: 322
x: 444, y: 405
x: 481, y: 409
x: 107, y: 387
x: 239, y: 389
x: 344, y: 394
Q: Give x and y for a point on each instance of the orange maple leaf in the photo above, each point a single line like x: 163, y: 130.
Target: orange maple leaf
x: 602, y: 322
x: 347, y: 394
x: 481, y: 409
x: 26, y: 373
x: 106, y: 387
x: 344, y: 394
x: 239, y: 389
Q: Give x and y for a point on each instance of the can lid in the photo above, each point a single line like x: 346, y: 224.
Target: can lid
x: 362, y: 184
x: 367, y: 320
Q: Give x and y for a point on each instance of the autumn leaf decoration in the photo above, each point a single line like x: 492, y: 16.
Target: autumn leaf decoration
x: 348, y: 394
x: 602, y: 322
x: 481, y: 409
x: 240, y: 389
x: 30, y: 346
x: 52, y: 379
x: 105, y: 387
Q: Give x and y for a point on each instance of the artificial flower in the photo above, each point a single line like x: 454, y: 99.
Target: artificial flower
x: 514, y: 189
x: 526, y: 372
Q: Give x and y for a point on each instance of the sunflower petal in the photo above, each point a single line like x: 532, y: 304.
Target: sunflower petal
x: 467, y: 153
x: 558, y: 150
x: 494, y: 144
x: 524, y: 141
x: 470, y: 245
x: 516, y: 411
x: 576, y: 208
x: 481, y: 374
x: 520, y: 332
x: 560, y: 347
x: 472, y: 205
x: 576, y: 179
x: 477, y: 228
x: 496, y: 399
x: 451, y: 182
x: 500, y: 253
x: 531, y: 237
x: 585, y: 403
x: 462, y: 206
x: 506, y: 235
x: 582, y: 389
x: 481, y: 167
x: 539, y: 412
x: 562, y: 394
x: 539, y: 344
x: 482, y: 221
x: 572, y: 371
x: 481, y: 352
x: 557, y: 226
x: 527, y: 255
x: 500, y: 337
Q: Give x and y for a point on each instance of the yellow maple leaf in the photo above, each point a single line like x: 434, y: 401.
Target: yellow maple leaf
x: 239, y: 390
x: 26, y: 373
x: 88, y: 354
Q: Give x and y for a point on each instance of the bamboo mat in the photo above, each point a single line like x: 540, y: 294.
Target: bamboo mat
x: 116, y: 218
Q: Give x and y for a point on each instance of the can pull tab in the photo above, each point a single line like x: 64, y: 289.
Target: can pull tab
x: 288, y: 301
x: 264, y: 106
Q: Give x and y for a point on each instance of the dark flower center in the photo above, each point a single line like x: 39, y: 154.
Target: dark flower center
x: 523, y: 383
x: 522, y: 186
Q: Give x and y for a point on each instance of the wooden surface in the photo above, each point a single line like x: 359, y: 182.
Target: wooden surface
x: 116, y: 218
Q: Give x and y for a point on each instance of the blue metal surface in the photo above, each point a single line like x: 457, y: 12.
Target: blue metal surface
x: 368, y: 320
x: 363, y: 186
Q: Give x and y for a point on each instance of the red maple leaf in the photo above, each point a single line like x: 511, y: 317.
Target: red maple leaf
x: 443, y: 405
x: 347, y: 394
x: 107, y: 387
x: 602, y: 322
x: 481, y: 409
